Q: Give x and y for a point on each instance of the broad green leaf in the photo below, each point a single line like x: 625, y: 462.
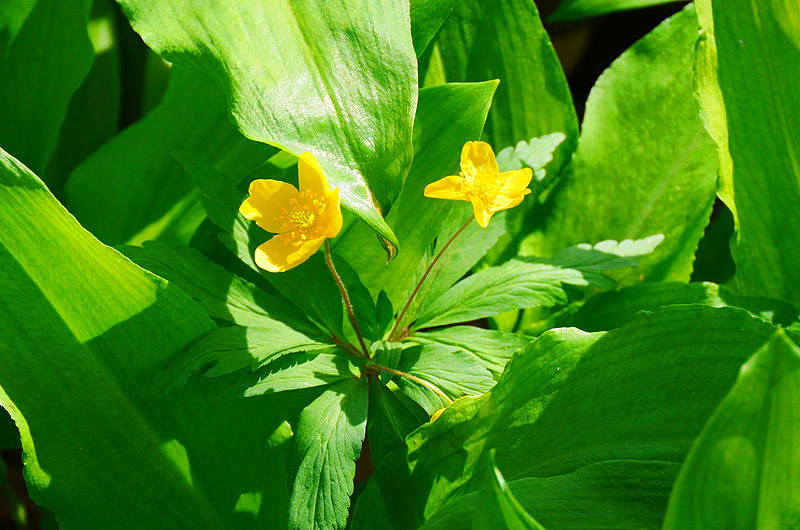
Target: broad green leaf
x: 223, y: 295
x: 750, y: 100
x: 323, y: 456
x: 455, y: 372
x: 85, y: 333
x: 578, y: 9
x: 642, y: 392
x: 390, y: 421
x: 226, y: 350
x: 614, y: 309
x: 505, y: 40
x: 644, y: 164
x: 92, y: 117
x: 619, y: 494
x: 339, y: 80
x: 744, y: 470
x: 427, y: 16
x: 304, y: 370
x: 497, y: 506
x: 133, y: 190
x: 492, y: 348
x: 448, y: 116
x: 43, y: 61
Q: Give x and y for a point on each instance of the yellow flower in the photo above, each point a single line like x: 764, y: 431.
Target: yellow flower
x: 302, y: 219
x: 482, y: 184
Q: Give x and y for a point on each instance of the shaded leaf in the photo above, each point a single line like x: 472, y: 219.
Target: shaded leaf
x: 578, y: 9
x: 304, y: 370
x: 498, y: 508
x: 390, y: 421
x: 744, y: 470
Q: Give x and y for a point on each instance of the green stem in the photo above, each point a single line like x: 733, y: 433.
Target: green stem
x: 348, y: 306
x: 393, y: 333
x: 424, y: 383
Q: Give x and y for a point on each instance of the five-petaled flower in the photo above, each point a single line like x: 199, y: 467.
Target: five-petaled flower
x: 301, y: 219
x: 482, y: 184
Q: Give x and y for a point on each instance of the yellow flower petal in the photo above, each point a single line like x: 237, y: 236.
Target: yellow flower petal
x: 267, y: 199
x: 482, y: 213
x: 311, y: 177
x: 477, y: 159
x: 515, y: 180
x: 279, y: 254
x: 333, y: 215
x: 446, y: 188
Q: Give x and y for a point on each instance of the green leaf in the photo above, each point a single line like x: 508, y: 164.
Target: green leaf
x: 505, y: 40
x: 642, y: 392
x: 517, y: 284
x: 448, y: 116
x: 623, y: 494
x: 492, y: 348
x: 281, y: 66
x: 132, y: 189
x: 322, y: 458
x: 303, y: 370
x: 390, y: 421
x: 578, y: 9
x: 644, y: 164
x: 427, y: 16
x: 535, y: 154
x: 226, y: 350
x: 85, y: 333
x: 453, y: 371
x: 744, y: 470
x: 750, y: 99
x: 614, y: 309
x: 92, y: 117
x: 223, y: 295
x: 45, y: 58
x: 498, y: 507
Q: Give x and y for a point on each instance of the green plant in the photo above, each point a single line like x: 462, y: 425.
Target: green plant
x: 552, y: 365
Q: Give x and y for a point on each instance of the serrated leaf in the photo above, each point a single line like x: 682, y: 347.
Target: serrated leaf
x: 390, y: 421
x: 492, y: 348
x: 744, y: 470
x: 749, y: 99
x: 644, y: 163
x: 534, y: 154
x: 497, y: 506
x: 281, y: 88
x: 226, y: 350
x: 322, y: 458
x: 304, y: 370
x: 642, y: 392
x: 223, y: 295
x: 453, y: 371
x: 152, y: 194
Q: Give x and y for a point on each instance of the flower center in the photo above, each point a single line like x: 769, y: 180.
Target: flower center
x: 484, y: 187
x: 304, y: 219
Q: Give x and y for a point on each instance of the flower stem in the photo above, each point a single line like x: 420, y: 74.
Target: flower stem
x: 392, y: 334
x: 424, y: 383
x: 348, y: 306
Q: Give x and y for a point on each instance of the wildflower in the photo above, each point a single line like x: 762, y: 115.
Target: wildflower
x: 481, y: 183
x: 302, y: 219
